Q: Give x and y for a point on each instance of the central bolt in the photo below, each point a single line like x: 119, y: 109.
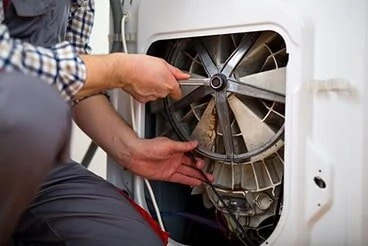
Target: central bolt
x: 218, y: 81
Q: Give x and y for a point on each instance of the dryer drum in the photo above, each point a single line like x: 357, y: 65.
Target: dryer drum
x: 243, y: 118
x: 238, y: 119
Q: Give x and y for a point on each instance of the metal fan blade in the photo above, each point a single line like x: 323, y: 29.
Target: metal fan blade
x: 239, y: 52
x: 197, y: 94
x: 205, y: 131
x: 272, y: 80
x: 224, y: 121
x: 208, y: 64
x: 254, y: 131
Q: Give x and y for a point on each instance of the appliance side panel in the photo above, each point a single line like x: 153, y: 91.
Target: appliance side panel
x: 340, y: 64
x: 364, y: 173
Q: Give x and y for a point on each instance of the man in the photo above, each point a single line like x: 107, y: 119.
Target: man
x: 74, y: 206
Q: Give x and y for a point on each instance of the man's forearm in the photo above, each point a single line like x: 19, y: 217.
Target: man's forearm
x: 99, y: 120
x: 99, y: 68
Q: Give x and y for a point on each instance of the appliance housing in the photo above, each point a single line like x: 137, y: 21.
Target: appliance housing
x: 326, y: 78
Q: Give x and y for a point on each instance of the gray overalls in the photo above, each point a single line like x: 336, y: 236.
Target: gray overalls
x: 74, y: 207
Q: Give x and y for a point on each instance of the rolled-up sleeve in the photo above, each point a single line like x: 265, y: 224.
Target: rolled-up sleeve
x: 59, y: 66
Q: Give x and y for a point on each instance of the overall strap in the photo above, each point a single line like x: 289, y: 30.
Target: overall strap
x: 40, y: 22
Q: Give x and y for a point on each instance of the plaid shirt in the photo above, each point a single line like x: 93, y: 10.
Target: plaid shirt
x: 59, y: 66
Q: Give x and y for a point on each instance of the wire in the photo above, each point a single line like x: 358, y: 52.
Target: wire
x: 154, y: 203
x: 239, y: 227
x: 125, y: 49
x: 221, y: 224
x: 134, y: 126
x: 195, y: 218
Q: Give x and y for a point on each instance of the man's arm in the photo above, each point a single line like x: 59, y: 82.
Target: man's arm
x: 159, y: 158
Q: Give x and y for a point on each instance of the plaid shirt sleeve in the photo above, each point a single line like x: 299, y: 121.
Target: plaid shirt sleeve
x: 80, y: 24
x: 59, y: 66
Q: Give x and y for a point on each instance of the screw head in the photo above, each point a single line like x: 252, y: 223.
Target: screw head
x: 218, y: 81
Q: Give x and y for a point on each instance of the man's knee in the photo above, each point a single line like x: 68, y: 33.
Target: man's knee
x: 33, y: 115
x: 34, y: 130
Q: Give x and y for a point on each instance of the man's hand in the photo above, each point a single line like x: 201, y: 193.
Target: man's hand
x: 146, y: 78
x: 164, y: 159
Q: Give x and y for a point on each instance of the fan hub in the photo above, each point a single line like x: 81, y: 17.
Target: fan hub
x: 218, y: 81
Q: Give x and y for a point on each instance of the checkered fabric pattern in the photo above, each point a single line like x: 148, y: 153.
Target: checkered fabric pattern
x: 59, y: 66
x: 80, y: 24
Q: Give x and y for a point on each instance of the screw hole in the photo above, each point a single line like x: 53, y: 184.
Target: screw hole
x: 319, y: 204
x: 320, y: 182
x: 319, y: 170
